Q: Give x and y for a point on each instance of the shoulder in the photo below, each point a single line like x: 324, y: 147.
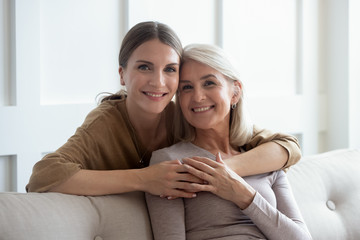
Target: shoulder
x: 110, y: 112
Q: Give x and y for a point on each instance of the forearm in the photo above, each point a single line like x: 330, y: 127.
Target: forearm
x: 266, y: 157
x: 160, y: 179
x: 167, y: 217
x: 267, y: 218
x: 93, y: 182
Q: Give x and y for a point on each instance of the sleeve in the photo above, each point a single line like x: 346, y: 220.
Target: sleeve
x: 283, y: 222
x: 103, y: 142
x: 57, y: 167
x: 288, y: 142
x: 167, y: 216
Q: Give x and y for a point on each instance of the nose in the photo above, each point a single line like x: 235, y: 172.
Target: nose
x: 198, y: 95
x: 158, y: 79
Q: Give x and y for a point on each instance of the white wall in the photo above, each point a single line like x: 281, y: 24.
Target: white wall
x: 354, y: 74
x: 298, y: 58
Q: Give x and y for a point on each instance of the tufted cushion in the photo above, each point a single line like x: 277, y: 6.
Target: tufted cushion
x: 327, y: 189
x: 59, y: 216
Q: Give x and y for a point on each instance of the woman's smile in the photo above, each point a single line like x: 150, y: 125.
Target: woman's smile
x: 202, y: 109
x: 156, y: 96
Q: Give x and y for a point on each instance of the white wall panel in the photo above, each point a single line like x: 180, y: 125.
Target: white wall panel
x: 66, y: 53
x: 261, y: 35
x: 7, y: 51
x: 7, y: 173
x: 80, y: 42
x: 336, y: 71
x: 193, y: 21
x: 354, y: 73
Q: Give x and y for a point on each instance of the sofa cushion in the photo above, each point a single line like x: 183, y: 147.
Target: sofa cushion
x: 327, y: 189
x: 60, y: 216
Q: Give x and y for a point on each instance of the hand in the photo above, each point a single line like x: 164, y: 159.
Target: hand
x: 168, y: 179
x: 221, y: 180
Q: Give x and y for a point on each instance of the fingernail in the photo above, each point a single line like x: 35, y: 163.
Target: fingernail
x: 194, y: 195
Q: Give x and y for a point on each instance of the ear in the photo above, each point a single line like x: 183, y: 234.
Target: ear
x: 121, y: 73
x: 236, y: 93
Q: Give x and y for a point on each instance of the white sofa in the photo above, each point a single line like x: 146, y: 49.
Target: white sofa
x: 326, y: 187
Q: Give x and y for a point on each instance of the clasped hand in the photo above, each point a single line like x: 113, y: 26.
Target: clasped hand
x: 220, y: 179
x: 170, y: 179
x: 173, y: 179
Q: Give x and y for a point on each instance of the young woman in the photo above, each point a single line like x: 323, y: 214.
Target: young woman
x: 110, y: 152
x: 213, y: 123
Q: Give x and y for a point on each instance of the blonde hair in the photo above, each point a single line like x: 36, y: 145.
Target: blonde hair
x: 241, y: 127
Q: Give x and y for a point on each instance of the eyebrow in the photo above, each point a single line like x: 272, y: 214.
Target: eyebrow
x: 202, y: 78
x: 184, y: 81
x: 208, y: 76
x: 150, y: 63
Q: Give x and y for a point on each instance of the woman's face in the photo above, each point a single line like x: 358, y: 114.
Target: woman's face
x: 205, y: 96
x: 151, y: 76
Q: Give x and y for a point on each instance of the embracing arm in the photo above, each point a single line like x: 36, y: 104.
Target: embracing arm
x: 100, y: 160
x: 266, y: 152
x: 80, y: 168
x: 160, y: 179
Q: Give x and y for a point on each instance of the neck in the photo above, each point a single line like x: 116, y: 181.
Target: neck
x: 149, y: 127
x: 215, y: 141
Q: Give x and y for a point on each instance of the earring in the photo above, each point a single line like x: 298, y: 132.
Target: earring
x: 233, y: 106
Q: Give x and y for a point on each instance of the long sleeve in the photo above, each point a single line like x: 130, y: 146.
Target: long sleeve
x: 167, y: 216
x: 103, y: 142
x: 283, y: 222
x: 289, y: 142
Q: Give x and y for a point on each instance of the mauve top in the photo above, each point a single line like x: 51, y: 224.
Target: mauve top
x: 273, y: 214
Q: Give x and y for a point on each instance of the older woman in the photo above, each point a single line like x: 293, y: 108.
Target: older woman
x: 213, y: 123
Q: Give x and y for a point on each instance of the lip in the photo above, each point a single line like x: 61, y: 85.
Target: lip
x: 202, y: 109
x: 155, y: 95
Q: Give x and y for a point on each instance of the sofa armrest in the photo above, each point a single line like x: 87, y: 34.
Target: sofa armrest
x: 61, y: 216
x: 327, y: 189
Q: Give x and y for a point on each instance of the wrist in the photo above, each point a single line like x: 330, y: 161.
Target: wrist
x: 138, y: 179
x: 245, y: 198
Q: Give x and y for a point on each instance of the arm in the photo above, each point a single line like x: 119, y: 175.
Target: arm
x: 165, y: 178
x: 89, y: 163
x: 266, y: 152
x: 286, y: 218
x: 167, y: 217
x: 283, y: 222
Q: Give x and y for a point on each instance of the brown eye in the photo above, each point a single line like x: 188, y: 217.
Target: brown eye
x: 186, y: 87
x: 209, y: 83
